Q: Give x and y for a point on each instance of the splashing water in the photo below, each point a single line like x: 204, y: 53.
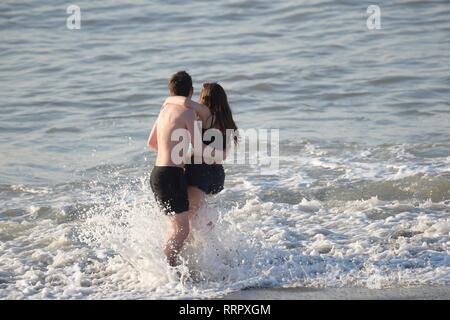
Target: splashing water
x: 321, y: 222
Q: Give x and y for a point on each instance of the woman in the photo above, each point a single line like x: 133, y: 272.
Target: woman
x: 203, y: 178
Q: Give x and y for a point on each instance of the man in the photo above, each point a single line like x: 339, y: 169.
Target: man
x: 167, y: 178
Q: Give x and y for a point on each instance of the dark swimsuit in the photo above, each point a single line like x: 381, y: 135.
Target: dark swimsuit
x: 209, y: 178
x: 170, y: 188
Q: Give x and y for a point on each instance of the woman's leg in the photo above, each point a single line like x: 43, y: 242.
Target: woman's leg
x: 196, y: 201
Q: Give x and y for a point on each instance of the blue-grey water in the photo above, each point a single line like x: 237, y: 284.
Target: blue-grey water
x: 362, y: 197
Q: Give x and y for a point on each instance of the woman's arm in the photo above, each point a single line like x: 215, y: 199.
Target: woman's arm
x: 201, y: 110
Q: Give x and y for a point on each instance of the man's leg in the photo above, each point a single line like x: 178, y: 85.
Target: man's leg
x: 180, y: 231
x: 196, y: 201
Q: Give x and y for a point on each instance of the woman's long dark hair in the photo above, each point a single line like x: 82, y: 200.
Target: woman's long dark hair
x: 214, y: 97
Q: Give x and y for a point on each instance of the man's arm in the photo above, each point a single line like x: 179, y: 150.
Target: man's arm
x: 152, y: 142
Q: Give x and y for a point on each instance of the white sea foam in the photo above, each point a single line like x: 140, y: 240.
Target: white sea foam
x: 32, y: 190
x: 115, y: 249
x: 302, y: 227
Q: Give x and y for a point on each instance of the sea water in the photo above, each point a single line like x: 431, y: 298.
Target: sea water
x: 362, y: 194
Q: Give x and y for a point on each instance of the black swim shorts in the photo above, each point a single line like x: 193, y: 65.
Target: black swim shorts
x: 170, y: 188
x: 207, y: 177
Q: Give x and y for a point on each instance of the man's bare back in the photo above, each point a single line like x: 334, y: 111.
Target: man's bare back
x: 171, y: 118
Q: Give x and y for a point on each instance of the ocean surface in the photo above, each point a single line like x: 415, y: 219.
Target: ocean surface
x: 362, y: 196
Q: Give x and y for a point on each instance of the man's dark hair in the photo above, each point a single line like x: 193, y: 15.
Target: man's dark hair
x: 180, y: 84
